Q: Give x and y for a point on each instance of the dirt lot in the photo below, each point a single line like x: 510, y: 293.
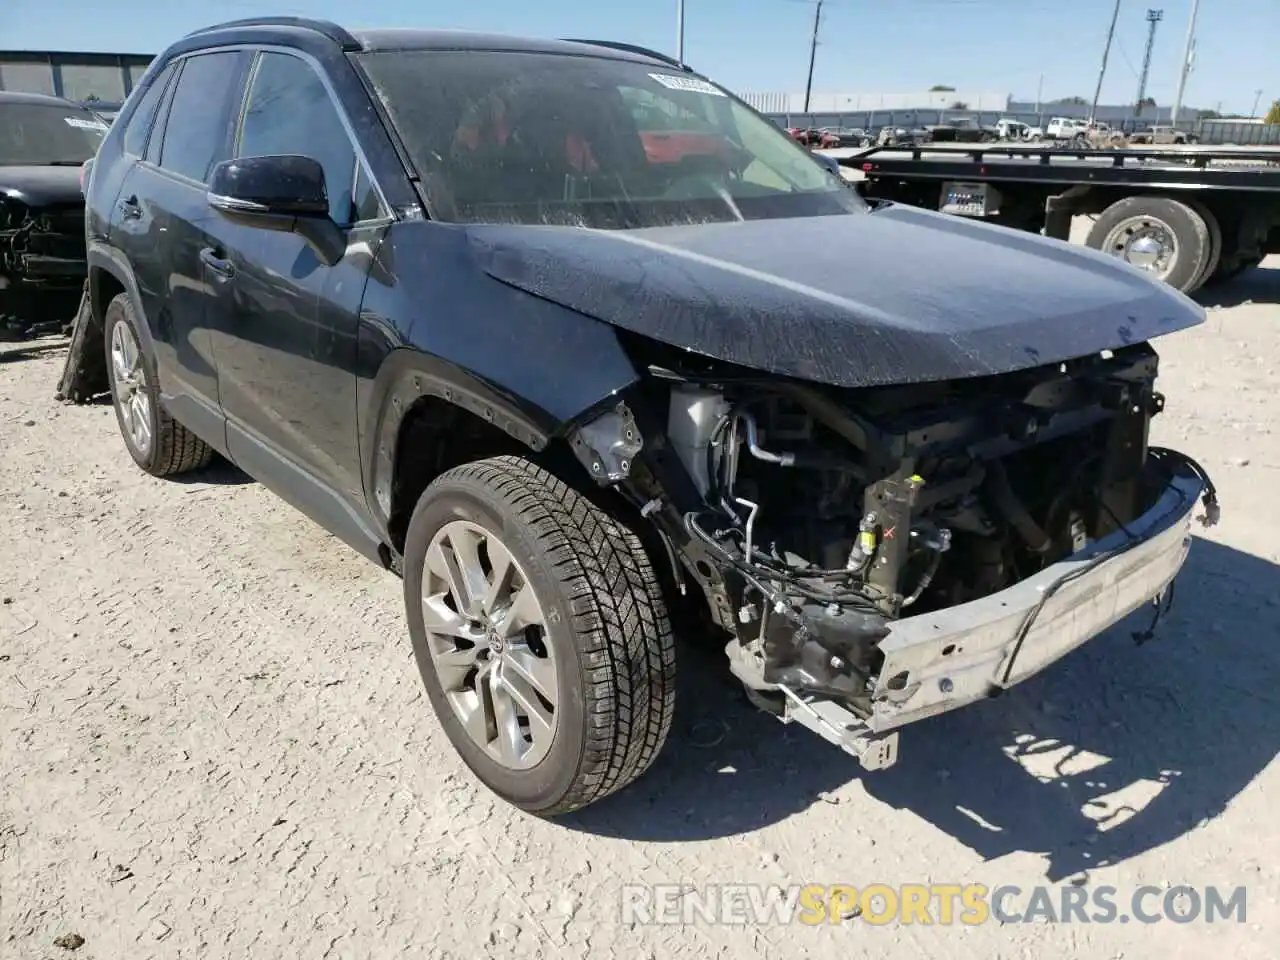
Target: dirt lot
x: 212, y: 740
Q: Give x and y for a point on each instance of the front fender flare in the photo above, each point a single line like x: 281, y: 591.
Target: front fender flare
x: 408, y: 375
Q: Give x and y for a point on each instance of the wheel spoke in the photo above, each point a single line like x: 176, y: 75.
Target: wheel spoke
x: 441, y: 562
x: 119, y: 366
x: 470, y: 708
x: 510, y: 740
x: 541, y: 720
x: 538, y: 672
x: 141, y: 421
x: 438, y: 618
x: 126, y: 414
x: 523, y: 613
x: 465, y: 553
x: 503, y: 573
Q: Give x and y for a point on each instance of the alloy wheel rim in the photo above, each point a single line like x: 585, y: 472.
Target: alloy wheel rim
x: 1145, y: 242
x: 131, y: 397
x: 488, y: 640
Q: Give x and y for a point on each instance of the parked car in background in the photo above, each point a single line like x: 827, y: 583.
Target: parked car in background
x: 44, y: 141
x: 1012, y: 130
x: 848, y: 136
x: 1161, y: 135
x: 426, y: 287
x: 894, y: 136
x: 962, y: 130
x: 1064, y: 128
x: 813, y: 137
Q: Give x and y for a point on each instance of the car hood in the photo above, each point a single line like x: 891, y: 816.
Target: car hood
x: 894, y: 295
x: 41, y: 186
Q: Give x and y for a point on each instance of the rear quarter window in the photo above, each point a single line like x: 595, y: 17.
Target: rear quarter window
x: 144, y: 117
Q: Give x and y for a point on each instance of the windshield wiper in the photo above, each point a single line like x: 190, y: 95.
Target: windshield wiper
x: 63, y: 163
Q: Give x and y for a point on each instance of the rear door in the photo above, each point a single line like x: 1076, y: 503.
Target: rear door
x: 162, y: 219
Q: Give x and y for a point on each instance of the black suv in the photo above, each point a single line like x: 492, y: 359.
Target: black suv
x: 44, y: 142
x: 463, y: 300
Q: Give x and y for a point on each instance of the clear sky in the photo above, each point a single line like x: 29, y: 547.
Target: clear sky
x: 868, y: 46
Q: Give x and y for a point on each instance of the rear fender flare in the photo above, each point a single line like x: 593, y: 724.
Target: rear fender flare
x: 99, y: 257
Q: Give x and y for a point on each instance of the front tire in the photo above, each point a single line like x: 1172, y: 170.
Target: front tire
x: 159, y: 444
x: 541, y: 635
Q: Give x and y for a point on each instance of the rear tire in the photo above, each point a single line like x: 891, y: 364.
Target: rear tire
x: 1215, y: 243
x: 599, y: 647
x: 159, y: 444
x: 1175, y: 227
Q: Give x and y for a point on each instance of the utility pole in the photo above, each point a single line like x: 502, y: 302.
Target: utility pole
x: 1153, y: 20
x: 680, y: 31
x: 1257, y: 95
x: 1186, y: 61
x: 813, y: 53
x: 1039, y: 93
x: 1102, y: 71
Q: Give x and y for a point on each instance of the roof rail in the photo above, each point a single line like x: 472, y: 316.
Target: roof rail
x: 632, y: 48
x: 324, y: 27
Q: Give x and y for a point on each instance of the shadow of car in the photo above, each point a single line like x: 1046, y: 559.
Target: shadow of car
x: 1120, y: 750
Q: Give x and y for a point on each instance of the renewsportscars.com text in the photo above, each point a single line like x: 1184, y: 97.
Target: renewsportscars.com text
x: 927, y: 904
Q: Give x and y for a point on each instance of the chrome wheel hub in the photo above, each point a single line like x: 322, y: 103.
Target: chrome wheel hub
x: 1145, y: 242
x: 129, y: 380
x: 487, y: 635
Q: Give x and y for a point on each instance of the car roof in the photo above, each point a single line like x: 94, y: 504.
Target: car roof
x: 381, y: 40
x: 12, y: 96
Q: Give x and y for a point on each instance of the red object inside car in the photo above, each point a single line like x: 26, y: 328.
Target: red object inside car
x: 661, y: 146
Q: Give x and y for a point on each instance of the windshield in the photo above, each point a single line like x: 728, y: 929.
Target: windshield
x: 38, y: 134
x: 504, y: 137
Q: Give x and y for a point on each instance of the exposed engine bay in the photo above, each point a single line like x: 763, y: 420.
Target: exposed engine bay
x: 820, y: 519
x: 42, y: 268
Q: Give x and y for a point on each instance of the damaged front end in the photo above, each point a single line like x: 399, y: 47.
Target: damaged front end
x: 884, y: 554
x: 42, y: 267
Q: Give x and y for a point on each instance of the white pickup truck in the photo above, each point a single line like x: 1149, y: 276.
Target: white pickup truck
x: 1065, y: 128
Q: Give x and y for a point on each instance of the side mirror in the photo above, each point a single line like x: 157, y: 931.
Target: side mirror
x: 831, y: 163
x: 281, y: 186
x: 282, y: 193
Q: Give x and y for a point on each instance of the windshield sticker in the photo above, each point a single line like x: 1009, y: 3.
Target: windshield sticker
x: 687, y: 84
x: 85, y: 124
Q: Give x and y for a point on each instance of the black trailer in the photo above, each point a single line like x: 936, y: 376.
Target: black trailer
x: 1188, y: 215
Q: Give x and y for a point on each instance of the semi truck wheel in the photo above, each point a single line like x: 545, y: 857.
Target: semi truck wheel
x: 1214, y: 258
x: 1167, y: 238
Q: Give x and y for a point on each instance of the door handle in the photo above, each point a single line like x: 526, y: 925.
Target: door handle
x: 221, y: 266
x: 129, y: 208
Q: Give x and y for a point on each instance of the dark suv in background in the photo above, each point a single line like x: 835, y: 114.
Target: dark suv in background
x: 464, y: 301
x: 44, y: 142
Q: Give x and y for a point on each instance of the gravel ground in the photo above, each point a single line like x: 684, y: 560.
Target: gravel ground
x: 213, y: 743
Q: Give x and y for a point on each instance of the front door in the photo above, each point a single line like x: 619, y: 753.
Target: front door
x: 285, y: 323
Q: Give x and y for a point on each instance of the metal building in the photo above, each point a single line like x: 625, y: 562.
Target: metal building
x: 99, y: 80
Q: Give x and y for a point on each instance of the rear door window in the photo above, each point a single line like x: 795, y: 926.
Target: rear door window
x: 143, y: 119
x: 198, y: 131
x: 289, y: 111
